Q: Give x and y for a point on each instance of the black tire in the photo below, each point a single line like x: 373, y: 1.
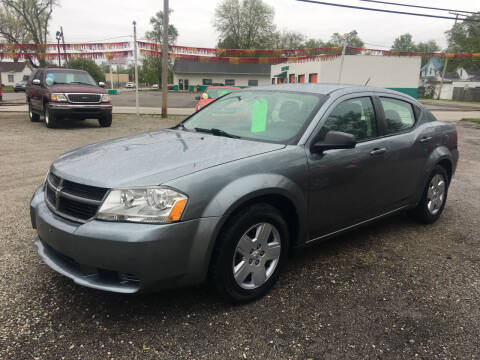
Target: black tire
x: 31, y: 115
x: 50, y: 118
x: 225, y: 254
x: 422, y: 212
x: 106, y: 120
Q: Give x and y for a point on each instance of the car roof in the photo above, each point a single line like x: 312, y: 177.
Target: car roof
x: 329, y: 88
x: 61, y: 69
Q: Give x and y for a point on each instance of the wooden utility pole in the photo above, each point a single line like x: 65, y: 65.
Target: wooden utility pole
x: 165, y: 59
x: 443, y: 76
x: 342, y: 59
x: 135, y: 55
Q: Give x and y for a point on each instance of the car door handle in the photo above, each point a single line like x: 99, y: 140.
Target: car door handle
x: 425, y: 139
x: 378, y: 151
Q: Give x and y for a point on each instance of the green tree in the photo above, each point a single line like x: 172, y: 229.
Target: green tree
x: 351, y: 39
x: 244, y: 24
x: 403, y: 43
x: 156, y: 34
x: 429, y: 46
x: 312, y: 44
x: 288, y: 40
x: 87, y: 65
x: 464, y: 37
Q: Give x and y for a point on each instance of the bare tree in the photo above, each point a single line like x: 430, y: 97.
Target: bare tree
x: 27, y: 21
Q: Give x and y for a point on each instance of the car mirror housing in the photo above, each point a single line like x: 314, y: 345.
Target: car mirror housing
x: 101, y: 84
x: 36, y: 82
x: 334, y: 140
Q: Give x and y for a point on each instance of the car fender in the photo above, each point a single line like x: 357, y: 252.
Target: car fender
x: 438, y: 154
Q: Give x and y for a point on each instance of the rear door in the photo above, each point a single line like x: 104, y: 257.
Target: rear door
x: 343, y: 186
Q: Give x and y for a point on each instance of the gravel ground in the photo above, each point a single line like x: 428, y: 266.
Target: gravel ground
x: 395, y: 289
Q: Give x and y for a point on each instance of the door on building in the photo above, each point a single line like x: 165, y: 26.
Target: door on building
x: 301, y: 78
x: 185, y: 84
x: 180, y: 84
x: 313, y: 78
x: 292, y: 78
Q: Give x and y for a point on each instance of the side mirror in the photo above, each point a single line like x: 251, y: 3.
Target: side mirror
x: 36, y: 82
x: 101, y: 84
x: 334, y: 140
x: 197, y: 97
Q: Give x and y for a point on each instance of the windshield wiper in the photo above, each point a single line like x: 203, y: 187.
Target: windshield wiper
x: 217, y: 132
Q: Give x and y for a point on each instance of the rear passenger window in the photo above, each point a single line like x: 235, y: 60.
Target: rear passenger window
x: 353, y: 116
x: 398, y: 115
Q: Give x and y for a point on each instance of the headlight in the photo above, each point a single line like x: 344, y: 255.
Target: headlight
x: 154, y: 204
x: 106, y: 98
x: 58, y: 97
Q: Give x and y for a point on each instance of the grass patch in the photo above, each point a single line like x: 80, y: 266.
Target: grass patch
x: 473, y: 120
x: 7, y: 89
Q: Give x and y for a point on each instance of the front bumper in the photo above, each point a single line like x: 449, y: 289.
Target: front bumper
x: 123, y: 257
x: 80, y: 110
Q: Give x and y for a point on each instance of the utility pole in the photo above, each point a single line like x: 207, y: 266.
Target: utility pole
x: 446, y: 60
x: 136, y: 65
x: 165, y: 59
x: 342, y: 59
x: 111, y: 77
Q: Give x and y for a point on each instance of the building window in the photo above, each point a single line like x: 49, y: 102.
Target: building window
x: 229, y: 82
x: 273, y: 81
x: 252, y: 82
x: 206, y: 81
x: 10, y: 78
x: 313, y: 78
x: 301, y: 78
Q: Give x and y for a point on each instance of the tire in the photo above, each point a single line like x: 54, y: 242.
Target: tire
x: 106, y: 120
x: 31, y: 115
x: 50, y: 119
x: 434, y: 197
x: 256, y: 262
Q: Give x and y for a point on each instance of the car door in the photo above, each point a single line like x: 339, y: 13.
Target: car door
x: 343, y: 183
x: 36, y: 96
x: 405, y: 151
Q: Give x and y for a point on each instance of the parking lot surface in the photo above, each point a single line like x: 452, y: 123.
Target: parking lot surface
x: 395, y: 289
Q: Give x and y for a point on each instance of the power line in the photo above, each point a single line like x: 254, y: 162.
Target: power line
x: 418, y: 6
x: 385, y: 11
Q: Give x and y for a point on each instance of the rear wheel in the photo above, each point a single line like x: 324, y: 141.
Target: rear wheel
x: 434, y: 197
x: 105, y: 120
x: 50, y: 118
x: 32, y: 116
x: 251, y: 253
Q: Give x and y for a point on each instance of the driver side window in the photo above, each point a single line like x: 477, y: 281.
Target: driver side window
x: 353, y: 116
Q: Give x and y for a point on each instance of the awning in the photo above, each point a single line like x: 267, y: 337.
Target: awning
x: 282, y: 75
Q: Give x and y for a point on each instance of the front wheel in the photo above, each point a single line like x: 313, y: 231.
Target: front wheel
x: 50, y: 118
x: 251, y: 253
x: 105, y: 120
x: 434, y: 197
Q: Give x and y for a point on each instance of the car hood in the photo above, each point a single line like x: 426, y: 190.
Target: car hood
x: 76, y: 88
x: 152, y: 158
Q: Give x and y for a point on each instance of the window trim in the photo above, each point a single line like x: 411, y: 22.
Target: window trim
x: 384, y: 120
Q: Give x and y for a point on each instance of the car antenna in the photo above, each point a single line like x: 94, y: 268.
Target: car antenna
x: 366, y: 82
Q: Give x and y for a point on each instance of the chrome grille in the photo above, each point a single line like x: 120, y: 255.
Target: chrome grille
x: 77, y: 202
x: 84, y: 98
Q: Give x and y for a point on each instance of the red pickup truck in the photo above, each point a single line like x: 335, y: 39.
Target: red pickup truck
x: 67, y: 94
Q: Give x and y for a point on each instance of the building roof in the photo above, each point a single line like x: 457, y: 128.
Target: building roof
x: 437, y: 65
x: 192, y: 67
x: 12, y: 66
x: 453, y: 75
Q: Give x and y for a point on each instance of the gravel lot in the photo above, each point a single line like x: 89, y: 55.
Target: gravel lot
x: 395, y: 289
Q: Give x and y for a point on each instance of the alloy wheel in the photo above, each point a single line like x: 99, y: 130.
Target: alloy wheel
x: 436, y: 194
x: 256, y: 256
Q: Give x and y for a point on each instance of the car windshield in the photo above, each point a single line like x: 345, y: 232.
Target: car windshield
x: 216, y: 93
x: 272, y: 116
x: 66, y: 77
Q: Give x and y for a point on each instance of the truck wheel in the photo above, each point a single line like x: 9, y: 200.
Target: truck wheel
x: 105, y: 120
x: 50, y: 119
x: 250, y: 253
x: 33, y: 116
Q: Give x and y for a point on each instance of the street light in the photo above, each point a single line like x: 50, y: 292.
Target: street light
x: 59, y: 37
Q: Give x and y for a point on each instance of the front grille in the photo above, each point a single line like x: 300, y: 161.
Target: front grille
x: 84, y: 98
x: 77, y: 202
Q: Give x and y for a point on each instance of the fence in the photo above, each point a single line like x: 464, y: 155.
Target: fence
x: 466, y: 94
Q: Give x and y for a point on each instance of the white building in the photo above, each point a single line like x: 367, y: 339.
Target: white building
x: 14, y: 72
x: 188, y: 74
x: 392, y: 72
